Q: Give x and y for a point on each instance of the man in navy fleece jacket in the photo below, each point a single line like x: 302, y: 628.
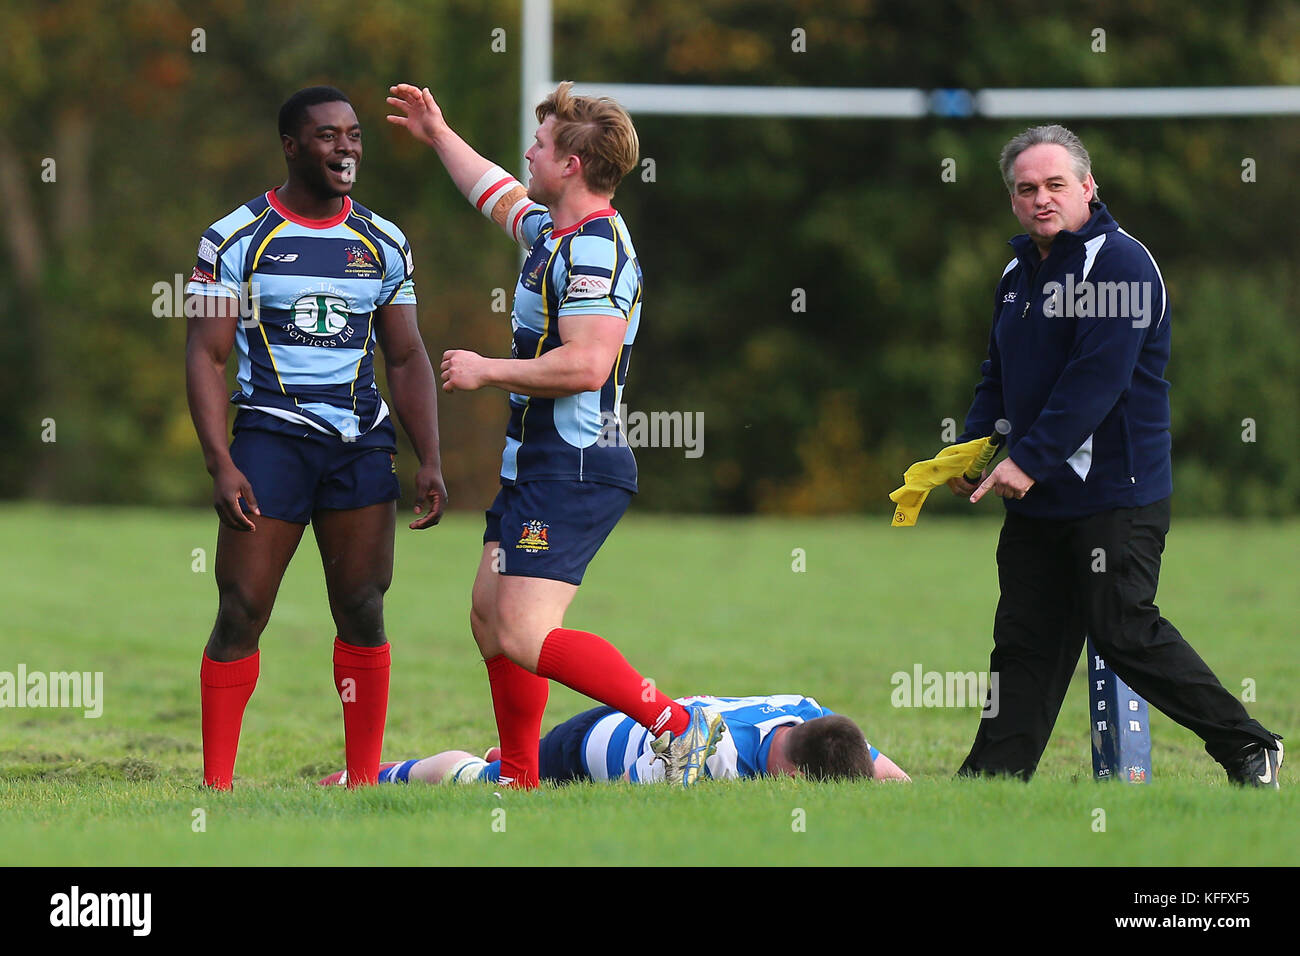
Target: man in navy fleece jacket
x: 1077, y: 354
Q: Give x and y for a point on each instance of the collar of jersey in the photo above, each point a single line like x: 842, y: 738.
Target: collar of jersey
x: 598, y: 214
x: 765, y: 748
x: 292, y: 216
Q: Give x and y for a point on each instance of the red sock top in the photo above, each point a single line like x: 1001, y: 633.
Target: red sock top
x: 366, y: 658
x: 229, y: 673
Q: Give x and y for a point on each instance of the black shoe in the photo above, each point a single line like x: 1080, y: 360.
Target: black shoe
x: 1256, y: 766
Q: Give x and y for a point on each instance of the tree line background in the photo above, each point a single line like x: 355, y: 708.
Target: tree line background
x: 812, y: 411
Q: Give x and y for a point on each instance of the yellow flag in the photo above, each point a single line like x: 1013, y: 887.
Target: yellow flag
x: 922, y: 477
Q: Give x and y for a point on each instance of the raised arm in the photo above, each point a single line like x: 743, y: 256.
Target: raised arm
x: 489, y: 188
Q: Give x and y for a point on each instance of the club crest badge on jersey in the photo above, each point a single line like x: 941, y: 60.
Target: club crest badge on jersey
x: 533, y: 269
x: 534, y: 537
x: 360, y: 262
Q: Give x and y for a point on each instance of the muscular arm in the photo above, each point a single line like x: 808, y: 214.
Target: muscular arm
x: 209, y: 337
x: 499, y: 196
x: 581, y: 364
x: 415, y: 399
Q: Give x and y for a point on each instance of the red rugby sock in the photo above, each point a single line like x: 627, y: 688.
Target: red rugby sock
x: 224, y: 689
x: 518, y: 700
x: 365, y: 706
x: 593, y: 666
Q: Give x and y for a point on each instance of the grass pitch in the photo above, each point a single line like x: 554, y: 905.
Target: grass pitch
x: 700, y: 605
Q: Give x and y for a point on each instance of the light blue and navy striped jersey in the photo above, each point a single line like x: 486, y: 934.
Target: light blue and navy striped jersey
x: 617, y: 744
x: 590, y: 268
x: 310, y: 288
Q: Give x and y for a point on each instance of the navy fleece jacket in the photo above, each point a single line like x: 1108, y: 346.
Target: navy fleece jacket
x: 1076, y: 362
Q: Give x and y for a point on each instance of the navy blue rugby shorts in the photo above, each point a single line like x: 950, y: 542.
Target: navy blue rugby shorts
x: 552, y: 529
x: 294, y: 476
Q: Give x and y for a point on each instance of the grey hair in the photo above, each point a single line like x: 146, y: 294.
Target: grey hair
x: 1055, y: 135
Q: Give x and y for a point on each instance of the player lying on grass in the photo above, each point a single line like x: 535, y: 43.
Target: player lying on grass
x: 782, y: 734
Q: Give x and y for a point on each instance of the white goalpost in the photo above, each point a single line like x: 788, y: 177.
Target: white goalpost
x: 885, y: 102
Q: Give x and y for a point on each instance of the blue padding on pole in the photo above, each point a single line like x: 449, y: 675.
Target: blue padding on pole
x: 1118, y: 717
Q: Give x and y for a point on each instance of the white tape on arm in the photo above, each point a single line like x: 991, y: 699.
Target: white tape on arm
x: 487, y: 184
x: 515, y: 216
x: 492, y: 188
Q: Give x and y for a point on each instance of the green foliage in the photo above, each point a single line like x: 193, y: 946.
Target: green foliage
x: 154, y: 141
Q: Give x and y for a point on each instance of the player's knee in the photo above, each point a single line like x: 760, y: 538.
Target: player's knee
x: 518, y: 645
x: 480, y: 621
x: 518, y: 629
x: 1033, y: 632
x: 241, y: 616
x: 360, y: 610
x: 1130, y: 641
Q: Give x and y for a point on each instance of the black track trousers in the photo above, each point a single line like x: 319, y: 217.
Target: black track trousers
x: 1062, y: 580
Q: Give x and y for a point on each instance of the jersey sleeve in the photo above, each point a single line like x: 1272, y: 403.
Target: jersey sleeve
x: 599, y: 280
x: 527, y: 224
x: 986, y: 407
x: 217, y: 271
x: 399, y: 266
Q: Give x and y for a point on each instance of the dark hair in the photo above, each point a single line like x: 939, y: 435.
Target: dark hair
x: 294, y: 111
x: 830, y: 748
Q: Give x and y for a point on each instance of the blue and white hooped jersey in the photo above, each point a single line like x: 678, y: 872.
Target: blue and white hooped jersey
x: 308, y: 291
x: 617, y: 744
x: 589, y: 268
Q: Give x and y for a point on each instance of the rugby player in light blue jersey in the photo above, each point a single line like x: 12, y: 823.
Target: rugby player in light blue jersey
x: 567, y: 473
x: 774, y: 735
x: 301, y: 283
